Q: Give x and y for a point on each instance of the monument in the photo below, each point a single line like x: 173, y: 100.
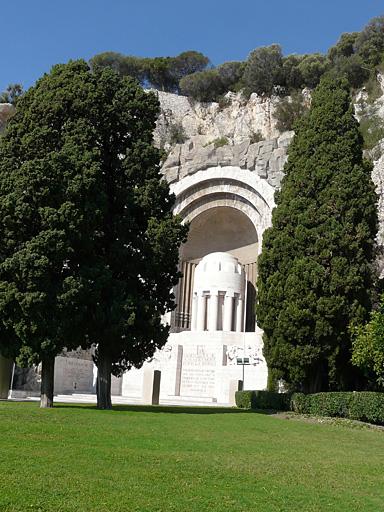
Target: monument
x: 226, y: 194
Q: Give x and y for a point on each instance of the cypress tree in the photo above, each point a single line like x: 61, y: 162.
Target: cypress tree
x: 315, y: 270
x: 88, y: 242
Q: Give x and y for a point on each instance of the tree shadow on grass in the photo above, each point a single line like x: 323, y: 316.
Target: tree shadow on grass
x: 168, y: 409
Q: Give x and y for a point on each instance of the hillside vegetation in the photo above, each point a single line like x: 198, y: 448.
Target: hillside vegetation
x: 356, y: 56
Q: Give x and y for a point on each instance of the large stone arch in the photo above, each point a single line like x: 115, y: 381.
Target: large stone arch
x: 233, y: 195
x: 226, y: 186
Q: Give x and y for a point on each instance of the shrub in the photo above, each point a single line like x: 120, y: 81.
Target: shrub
x: 243, y: 399
x: 202, y: 85
x: 289, y: 110
x: 363, y: 405
x: 224, y: 102
x: 299, y: 403
x: 263, y: 400
x: 218, y: 143
x: 367, y: 406
x: 256, y: 137
x: 176, y: 134
x: 372, y: 130
x: 263, y: 70
x: 329, y: 404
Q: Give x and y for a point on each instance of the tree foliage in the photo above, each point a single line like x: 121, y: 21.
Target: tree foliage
x: 289, y: 110
x: 264, y: 69
x: 163, y: 73
x: 368, y: 345
x: 11, y: 94
x: 315, y: 270
x: 89, y: 245
x: 203, y: 86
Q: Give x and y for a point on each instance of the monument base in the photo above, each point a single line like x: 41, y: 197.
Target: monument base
x: 200, y: 367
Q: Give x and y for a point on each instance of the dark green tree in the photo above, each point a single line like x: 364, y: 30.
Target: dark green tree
x: 187, y: 63
x: 293, y: 79
x: 89, y: 245
x: 345, y: 46
x: 203, y: 85
x: 315, y: 270
x: 231, y: 74
x: 125, y: 65
x: 312, y: 67
x: 48, y: 173
x: 11, y: 94
x: 369, y: 44
x: 264, y: 69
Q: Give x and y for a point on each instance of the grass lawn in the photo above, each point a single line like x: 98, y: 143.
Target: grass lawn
x: 76, y: 458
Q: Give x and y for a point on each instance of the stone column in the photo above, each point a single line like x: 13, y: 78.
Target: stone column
x: 228, y: 311
x: 239, y: 315
x: 194, y: 312
x: 213, y: 310
x: 201, y: 304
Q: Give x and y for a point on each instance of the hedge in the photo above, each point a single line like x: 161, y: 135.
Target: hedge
x: 263, y: 400
x: 363, y: 405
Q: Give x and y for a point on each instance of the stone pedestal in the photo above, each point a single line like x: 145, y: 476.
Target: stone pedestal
x: 151, y: 386
x: 234, y: 385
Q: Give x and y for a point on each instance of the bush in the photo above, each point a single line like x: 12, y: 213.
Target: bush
x: 243, y: 399
x: 176, y: 134
x: 329, y: 404
x: 363, y: 405
x: 263, y: 400
x: 289, y: 110
x: 372, y: 130
x: 256, y: 137
x: 263, y: 70
x: 299, y: 403
x: 202, y: 85
x: 367, y: 406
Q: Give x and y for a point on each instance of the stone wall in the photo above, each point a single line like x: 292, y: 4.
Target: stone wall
x: 266, y: 158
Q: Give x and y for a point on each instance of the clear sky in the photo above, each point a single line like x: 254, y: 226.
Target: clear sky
x: 35, y: 34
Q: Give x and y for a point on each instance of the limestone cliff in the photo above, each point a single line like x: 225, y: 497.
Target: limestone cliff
x: 235, y: 118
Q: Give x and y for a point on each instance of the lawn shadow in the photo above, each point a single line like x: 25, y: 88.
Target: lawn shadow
x: 169, y: 409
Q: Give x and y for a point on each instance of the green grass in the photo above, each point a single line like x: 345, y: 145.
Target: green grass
x: 76, y: 458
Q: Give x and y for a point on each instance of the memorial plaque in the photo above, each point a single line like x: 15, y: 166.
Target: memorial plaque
x: 198, y: 371
x: 73, y: 375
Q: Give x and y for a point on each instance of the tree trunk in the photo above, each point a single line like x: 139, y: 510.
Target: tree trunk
x: 104, y: 368
x: 47, y: 381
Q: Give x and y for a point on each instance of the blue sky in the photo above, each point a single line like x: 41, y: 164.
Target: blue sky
x: 35, y: 34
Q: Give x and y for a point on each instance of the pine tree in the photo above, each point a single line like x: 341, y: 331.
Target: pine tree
x: 315, y: 270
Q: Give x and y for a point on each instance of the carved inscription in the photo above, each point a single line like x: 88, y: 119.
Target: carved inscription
x: 198, y: 373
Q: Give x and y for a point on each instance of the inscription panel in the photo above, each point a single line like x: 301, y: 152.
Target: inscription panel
x: 198, y: 375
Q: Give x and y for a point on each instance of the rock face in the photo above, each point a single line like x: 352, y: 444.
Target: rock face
x: 378, y: 179
x: 266, y: 158
x: 235, y: 118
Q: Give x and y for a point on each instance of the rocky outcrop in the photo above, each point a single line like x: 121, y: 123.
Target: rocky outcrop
x: 235, y: 118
